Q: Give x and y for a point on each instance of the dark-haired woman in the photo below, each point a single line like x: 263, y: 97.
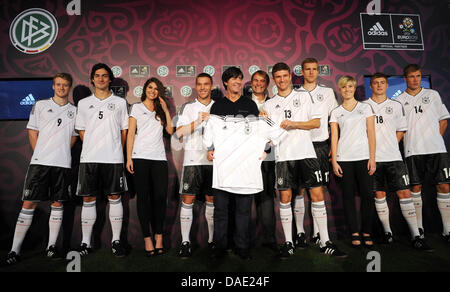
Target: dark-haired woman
x: 146, y: 159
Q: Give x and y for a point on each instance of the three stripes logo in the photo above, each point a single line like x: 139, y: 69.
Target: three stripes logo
x: 377, y: 30
x: 28, y: 100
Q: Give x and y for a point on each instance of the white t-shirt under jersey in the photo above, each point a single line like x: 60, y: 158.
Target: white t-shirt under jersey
x: 324, y: 102
x: 102, y: 121
x: 353, y: 142
x: 238, y: 145
x: 56, y: 126
x: 148, y: 142
x: 194, y: 149
x: 389, y: 119
x: 297, y: 107
x: 423, y: 113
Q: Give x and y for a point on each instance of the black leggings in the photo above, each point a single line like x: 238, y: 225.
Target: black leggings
x: 151, y: 183
x: 356, y: 173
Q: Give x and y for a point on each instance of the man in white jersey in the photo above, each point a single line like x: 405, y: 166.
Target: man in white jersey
x: 390, y: 126
x: 196, y: 178
x: 102, y: 122
x: 424, y: 145
x: 296, y: 161
x: 324, y: 102
x: 51, y: 131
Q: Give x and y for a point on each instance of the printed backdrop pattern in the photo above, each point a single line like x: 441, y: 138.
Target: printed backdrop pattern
x: 201, y: 33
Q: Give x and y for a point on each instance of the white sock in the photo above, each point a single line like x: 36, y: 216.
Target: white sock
x: 116, y: 218
x: 383, y: 213
x: 23, y: 224
x: 319, y: 213
x: 315, y: 227
x: 88, y: 217
x: 54, y: 224
x: 409, y: 213
x: 299, y: 212
x: 286, y: 220
x: 186, y: 220
x: 443, y: 202
x: 209, y: 214
x: 417, y: 199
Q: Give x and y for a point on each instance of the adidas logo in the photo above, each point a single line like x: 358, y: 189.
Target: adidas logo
x: 397, y: 93
x: 377, y: 29
x: 278, y: 106
x: 28, y: 100
x: 50, y: 111
x: 91, y: 107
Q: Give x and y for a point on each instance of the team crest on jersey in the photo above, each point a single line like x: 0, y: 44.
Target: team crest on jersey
x: 360, y: 112
x: 389, y: 110
x: 280, y: 181
x: 111, y: 106
x: 70, y: 114
x: 26, y: 193
x: 248, y: 130
x: 186, y: 186
x: 426, y: 100
x: 320, y: 97
x: 296, y: 102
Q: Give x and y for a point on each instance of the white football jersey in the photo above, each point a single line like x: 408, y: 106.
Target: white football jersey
x: 389, y: 119
x: 353, y: 144
x: 298, y: 107
x: 56, y: 126
x: 102, y: 121
x: 324, y: 101
x: 423, y: 113
x: 238, y: 144
x: 148, y: 142
x: 194, y: 149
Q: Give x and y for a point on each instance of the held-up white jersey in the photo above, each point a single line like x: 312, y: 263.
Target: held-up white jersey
x: 102, y: 121
x: 353, y: 142
x: 56, y: 126
x: 238, y: 145
x: 194, y: 149
x: 148, y: 142
x: 324, y: 102
x: 389, y: 119
x: 297, y: 107
x: 423, y: 113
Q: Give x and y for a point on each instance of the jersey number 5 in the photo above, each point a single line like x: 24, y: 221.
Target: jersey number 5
x: 100, y: 115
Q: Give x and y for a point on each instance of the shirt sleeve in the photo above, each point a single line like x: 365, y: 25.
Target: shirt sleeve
x: 333, y: 102
x: 208, y: 134
x: 333, y: 116
x: 369, y: 111
x: 183, y: 117
x: 80, y: 123
x: 402, y: 124
x: 33, y: 122
x: 443, y: 111
x: 124, y: 116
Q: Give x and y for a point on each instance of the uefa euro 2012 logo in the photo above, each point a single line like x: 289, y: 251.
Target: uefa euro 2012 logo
x: 33, y: 31
x: 407, y: 26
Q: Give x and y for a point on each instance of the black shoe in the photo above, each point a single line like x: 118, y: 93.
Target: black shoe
x: 287, y: 250
x: 421, y: 233
x: 300, y: 241
x: 243, y: 253
x: 419, y: 244
x: 84, y: 250
x: 332, y: 250
x: 52, y: 253
x: 388, y: 238
x: 117, y: 249
x: 185, y: 250
x: 316, y: 239
x: 211, y: 246
x: 12, y: 258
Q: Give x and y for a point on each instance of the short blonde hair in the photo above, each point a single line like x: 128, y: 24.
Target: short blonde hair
x: 346, y: 79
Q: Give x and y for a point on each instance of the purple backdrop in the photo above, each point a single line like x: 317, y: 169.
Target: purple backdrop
x: 202, y: 33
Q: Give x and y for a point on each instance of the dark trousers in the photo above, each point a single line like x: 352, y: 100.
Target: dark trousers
x: 264, y: 202
x: 356, y: 174
x: 242, y: 219
x: 151, y: 183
